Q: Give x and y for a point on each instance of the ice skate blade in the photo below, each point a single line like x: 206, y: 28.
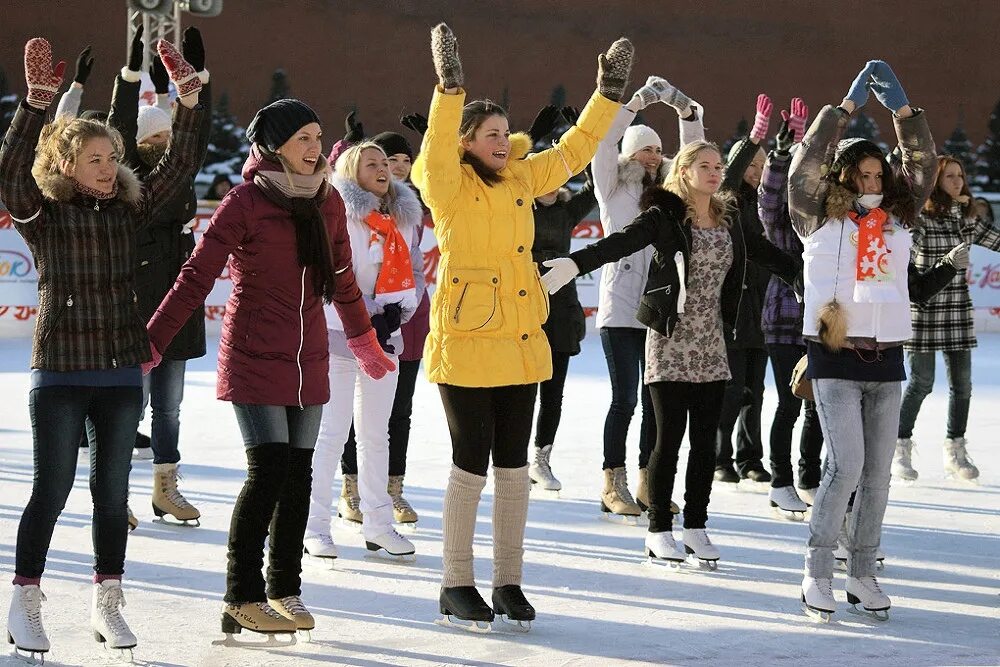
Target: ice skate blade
x: 711, y: 564
x: 818, y: 615
x: 794, y: 516
x: 750, y: 486
x: 305, y: 635
x: 881, y: 615
x: 954, y: 477
x: 620, y: 519
x: 326, y: 562
x: 541, y: 492
x: 28, y: 657
x: 181, y: 523
x: 663, y: 563
x: 354, y: 526
x: 410, y: 528
x: 386, y: 557
x: 514, y: 626
x: 478, y: 627
x: 270, y: 640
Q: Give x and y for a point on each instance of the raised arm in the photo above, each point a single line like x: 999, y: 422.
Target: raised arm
x: 605, y: 163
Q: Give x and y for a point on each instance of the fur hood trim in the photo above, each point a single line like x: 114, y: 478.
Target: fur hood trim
x: 631, y: 172
x: 520, y: 146
x: 61, y: 188
x: 668, y: 202
x: 839, y: 201
x: 358, y: 202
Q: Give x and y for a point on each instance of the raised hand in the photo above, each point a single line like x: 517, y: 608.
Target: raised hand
x: 797, y: 119
x: 571, y: 114
x: 158, y: 74
x: 786, y: 136
x: 179, y: 70
x: 762, y: 119
x: 43, y: 80
x: 858, y: 92
x: 135, y: 52
x: 444, y: 51
x: 193, y: 48
x: 886, y: 87
x: 84, y: 64
x: 613, y: 69
x: 544, y: 123
x: 354, y: 131
x: 416, y: 122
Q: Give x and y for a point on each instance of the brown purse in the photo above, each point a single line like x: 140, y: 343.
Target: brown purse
x: 802, y: 387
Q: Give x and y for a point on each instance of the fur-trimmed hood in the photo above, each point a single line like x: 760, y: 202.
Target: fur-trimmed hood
x: 358, y: 202
x: 668, y: 202
x: 62, y: 188
x: 839, y: 201
x: 630, y: 171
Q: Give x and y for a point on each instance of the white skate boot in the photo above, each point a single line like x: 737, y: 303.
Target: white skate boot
x: 696, y: 542
x: 866, y: 592
x: 662, y: 550
x: 321, y: 547
x: 24, y: 623
x: 808, y: 496
x: 787, y: 504
x: 540, y: 471
x: 902, y: 467
x: 394, y: 544
x: 106, y: 617
x: 817, y: 598
x: 957, y: 463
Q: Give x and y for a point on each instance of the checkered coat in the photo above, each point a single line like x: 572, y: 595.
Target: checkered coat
x: 945, y: 323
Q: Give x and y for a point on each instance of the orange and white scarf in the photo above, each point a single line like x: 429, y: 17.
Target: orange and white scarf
x: 386, y: 246
x: 873, y: 270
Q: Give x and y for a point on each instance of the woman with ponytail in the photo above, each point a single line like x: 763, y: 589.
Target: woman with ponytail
x: 284, y: 236
x: 855, y: 217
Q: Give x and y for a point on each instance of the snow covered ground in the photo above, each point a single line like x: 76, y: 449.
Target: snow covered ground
x: 597, y: 604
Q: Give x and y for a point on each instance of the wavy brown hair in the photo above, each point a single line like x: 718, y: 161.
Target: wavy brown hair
x: 474, y: 114
x: 940, y: 201
x: 63, y: 139
x: 897, y: 196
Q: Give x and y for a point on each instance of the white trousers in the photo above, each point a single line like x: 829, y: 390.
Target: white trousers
x: 354, y: 395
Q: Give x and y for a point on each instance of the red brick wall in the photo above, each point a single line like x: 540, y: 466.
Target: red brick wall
x: 374, y: 55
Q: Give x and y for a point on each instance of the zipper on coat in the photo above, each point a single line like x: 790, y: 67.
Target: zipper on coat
x: 107, y: 231
x: 461, y: 298
x: 302, y: 333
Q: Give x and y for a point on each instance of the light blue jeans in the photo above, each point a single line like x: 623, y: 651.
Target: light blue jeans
x: 859, y: 421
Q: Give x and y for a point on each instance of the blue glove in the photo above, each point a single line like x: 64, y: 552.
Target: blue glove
x: 859, y: 89
x: 886, y: 87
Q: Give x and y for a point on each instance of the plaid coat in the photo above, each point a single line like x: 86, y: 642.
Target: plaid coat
x: 84, y: 248
x: 782, y: 316
x: 945, y: 323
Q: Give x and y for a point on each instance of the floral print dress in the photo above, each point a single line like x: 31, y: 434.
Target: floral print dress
x: 696, y: 352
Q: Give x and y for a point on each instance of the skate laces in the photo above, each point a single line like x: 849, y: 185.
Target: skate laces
x: 268, y: 609
x: 621, y: 488
x: 31, y: 601
x: 825, y: 586
x: 110, y: 600
x: 171, y: 491
x: 542, y: 460
x: 871, y: 583
x: 293, y: 605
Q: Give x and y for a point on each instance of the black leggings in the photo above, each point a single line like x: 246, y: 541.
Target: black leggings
x: 673, y: 403
x: 485, y: 420
x: 399, y: 424
x: 743, y: 400
x: 783, y: 360
x: 550, y: 399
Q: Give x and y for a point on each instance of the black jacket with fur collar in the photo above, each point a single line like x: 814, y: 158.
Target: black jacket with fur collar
x: 84, y: 248
x: 662, y: 225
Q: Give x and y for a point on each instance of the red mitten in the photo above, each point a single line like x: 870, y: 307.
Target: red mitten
x: 797, y: 121
x: 181, y: 72
x: 43, y: 80
x: 148, y: 366
x: 370, y: 356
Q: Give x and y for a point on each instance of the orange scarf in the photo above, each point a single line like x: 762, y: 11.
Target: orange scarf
x: 872, y: 263
x: 386, y: 246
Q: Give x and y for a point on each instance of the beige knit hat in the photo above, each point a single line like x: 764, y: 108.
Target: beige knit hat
x: 151, y: 120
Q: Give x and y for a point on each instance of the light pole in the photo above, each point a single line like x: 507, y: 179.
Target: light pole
x: 161, y: 19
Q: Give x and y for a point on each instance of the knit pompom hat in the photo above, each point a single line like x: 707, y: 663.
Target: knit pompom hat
x: 638, y: 137
x: 151, y: 120
x: 278, y: 122
x: 393, y: 143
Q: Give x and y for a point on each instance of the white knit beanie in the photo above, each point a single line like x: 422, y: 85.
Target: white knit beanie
x: 151, y: 120
x: 638, y: 137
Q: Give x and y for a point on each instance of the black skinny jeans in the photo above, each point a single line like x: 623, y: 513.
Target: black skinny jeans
x: 550, y: 399
x: 399, y: 424
x: 625, y: 352
x: 489, y: 420
x: 783, y: 360
x: 743, y: 401
x: 58, y: 415
x: 673, y: 404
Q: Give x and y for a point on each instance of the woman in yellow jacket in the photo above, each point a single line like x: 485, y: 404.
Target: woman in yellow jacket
x: 486, y: 348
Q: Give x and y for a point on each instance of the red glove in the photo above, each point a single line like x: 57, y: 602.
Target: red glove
x: 370, y: 356
x: 148, y: 366
x: 43, y: 80
x: 181, y: 72
x: 762, y: 119
x: 797, y: 120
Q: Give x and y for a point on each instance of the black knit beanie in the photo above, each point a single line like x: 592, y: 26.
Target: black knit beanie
x: 393, y: 143
x: 278, y: 122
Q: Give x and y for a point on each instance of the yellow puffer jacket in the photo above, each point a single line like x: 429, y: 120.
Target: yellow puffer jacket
x: 489, y: 307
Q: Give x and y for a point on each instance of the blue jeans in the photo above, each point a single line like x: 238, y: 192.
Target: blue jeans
x: 57, y: 419
x: 265, y: 424
x: 625, y: 352
x: 959, y: 367
x: 859, y: 421
x: 163, y: 388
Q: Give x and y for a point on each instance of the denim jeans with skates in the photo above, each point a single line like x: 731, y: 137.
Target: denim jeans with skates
x: 859, y: 421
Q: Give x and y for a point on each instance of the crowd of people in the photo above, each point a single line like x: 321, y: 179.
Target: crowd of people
x: 826, y: 256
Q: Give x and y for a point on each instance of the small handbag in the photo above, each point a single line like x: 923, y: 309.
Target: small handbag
x: 801, y: 386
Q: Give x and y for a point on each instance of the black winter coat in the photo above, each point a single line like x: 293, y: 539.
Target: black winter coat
x: 554, y: 226
x: 163, y: 247
x: 662, y: 225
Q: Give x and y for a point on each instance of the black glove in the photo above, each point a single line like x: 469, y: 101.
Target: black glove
x: 383, y: 333
x: 544, y: 123
x: 84, y: 64
x: 393, y: 314
x: 159, y: 76
x: 416, y: 122
x: 193, y: 49
x: 571, y: 114
x: 135, y: 52
x: 355, y: 130
x: 783, y: 142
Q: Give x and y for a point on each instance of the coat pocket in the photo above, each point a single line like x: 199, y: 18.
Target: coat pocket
x: 472, y: 300
x: 543, y: 305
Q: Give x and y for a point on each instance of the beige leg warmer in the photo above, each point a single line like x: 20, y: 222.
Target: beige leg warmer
x: 510, y: 514
x: 461, y: 500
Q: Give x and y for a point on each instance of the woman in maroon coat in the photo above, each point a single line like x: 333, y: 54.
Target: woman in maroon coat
x: 285, y: 231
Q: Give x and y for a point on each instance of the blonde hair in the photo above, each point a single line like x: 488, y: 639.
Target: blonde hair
x: 63, y: 139
x: 349, y: 163
x: 720, y: 205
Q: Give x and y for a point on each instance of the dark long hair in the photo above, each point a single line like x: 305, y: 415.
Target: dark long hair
x: 474, y: 114
x: 897, y: 197
x: 940, y: 201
